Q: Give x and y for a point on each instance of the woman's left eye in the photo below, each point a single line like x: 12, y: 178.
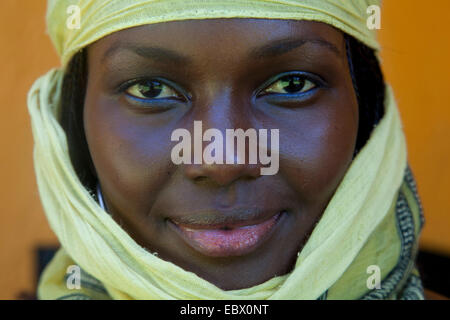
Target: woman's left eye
x: 151, y: 89
x: 290, y: 84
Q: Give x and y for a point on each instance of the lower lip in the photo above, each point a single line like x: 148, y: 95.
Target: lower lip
x: 224, y: 243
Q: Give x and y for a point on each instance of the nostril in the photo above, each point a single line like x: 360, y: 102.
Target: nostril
x: 200, y: 179
x: 220, y: 174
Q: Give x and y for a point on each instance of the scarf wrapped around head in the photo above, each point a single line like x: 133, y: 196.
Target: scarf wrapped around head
x: 371, y: 224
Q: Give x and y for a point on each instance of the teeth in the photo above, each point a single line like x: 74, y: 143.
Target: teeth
x: 188, y: 229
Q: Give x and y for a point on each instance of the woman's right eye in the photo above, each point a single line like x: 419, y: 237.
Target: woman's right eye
x: 149, y: 90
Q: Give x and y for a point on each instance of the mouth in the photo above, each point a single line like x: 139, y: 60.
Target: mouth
x: 227, y: 239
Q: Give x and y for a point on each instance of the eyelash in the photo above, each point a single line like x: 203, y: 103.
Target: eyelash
x: 302, y: 78
x: 164, y: 86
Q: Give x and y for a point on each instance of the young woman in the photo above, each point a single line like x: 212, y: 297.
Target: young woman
x: 339, y: 218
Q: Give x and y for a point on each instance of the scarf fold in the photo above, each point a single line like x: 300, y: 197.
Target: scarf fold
x: 99, y: 18
x: 373, y: 219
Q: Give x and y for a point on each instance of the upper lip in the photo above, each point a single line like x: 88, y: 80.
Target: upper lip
x: 224, y: 219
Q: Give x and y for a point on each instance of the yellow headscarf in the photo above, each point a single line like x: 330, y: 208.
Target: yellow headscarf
x: 363, y: 225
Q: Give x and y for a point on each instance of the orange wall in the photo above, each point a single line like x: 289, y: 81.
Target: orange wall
x: 416, y: 51
x: 416, y: 59
x: 25, y: 53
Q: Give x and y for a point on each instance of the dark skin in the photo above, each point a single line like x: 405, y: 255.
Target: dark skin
x: 224, y: 73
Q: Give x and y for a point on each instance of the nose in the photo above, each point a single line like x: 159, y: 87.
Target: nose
x: 221, y: 174
x: 226, y: 157
x: 227, y: 120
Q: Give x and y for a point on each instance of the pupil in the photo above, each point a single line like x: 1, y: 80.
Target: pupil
x: 293, y: 84
x: 150, y: 89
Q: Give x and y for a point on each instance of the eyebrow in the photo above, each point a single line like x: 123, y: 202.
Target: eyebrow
x: 282, y: 46
x: 275, y: 48
x: 155, y: 53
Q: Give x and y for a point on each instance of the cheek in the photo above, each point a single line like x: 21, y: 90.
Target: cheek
x: 130, y: 155
x: 318, y: 152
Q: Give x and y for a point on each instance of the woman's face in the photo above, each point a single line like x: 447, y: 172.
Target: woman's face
x: 225, y: 222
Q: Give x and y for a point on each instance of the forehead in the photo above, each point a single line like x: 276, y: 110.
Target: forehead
x: 220, y: 37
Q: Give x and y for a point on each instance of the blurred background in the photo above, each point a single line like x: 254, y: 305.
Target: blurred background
x: 416, y: 60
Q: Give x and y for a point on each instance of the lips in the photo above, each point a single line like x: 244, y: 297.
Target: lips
x: 230, y: 239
